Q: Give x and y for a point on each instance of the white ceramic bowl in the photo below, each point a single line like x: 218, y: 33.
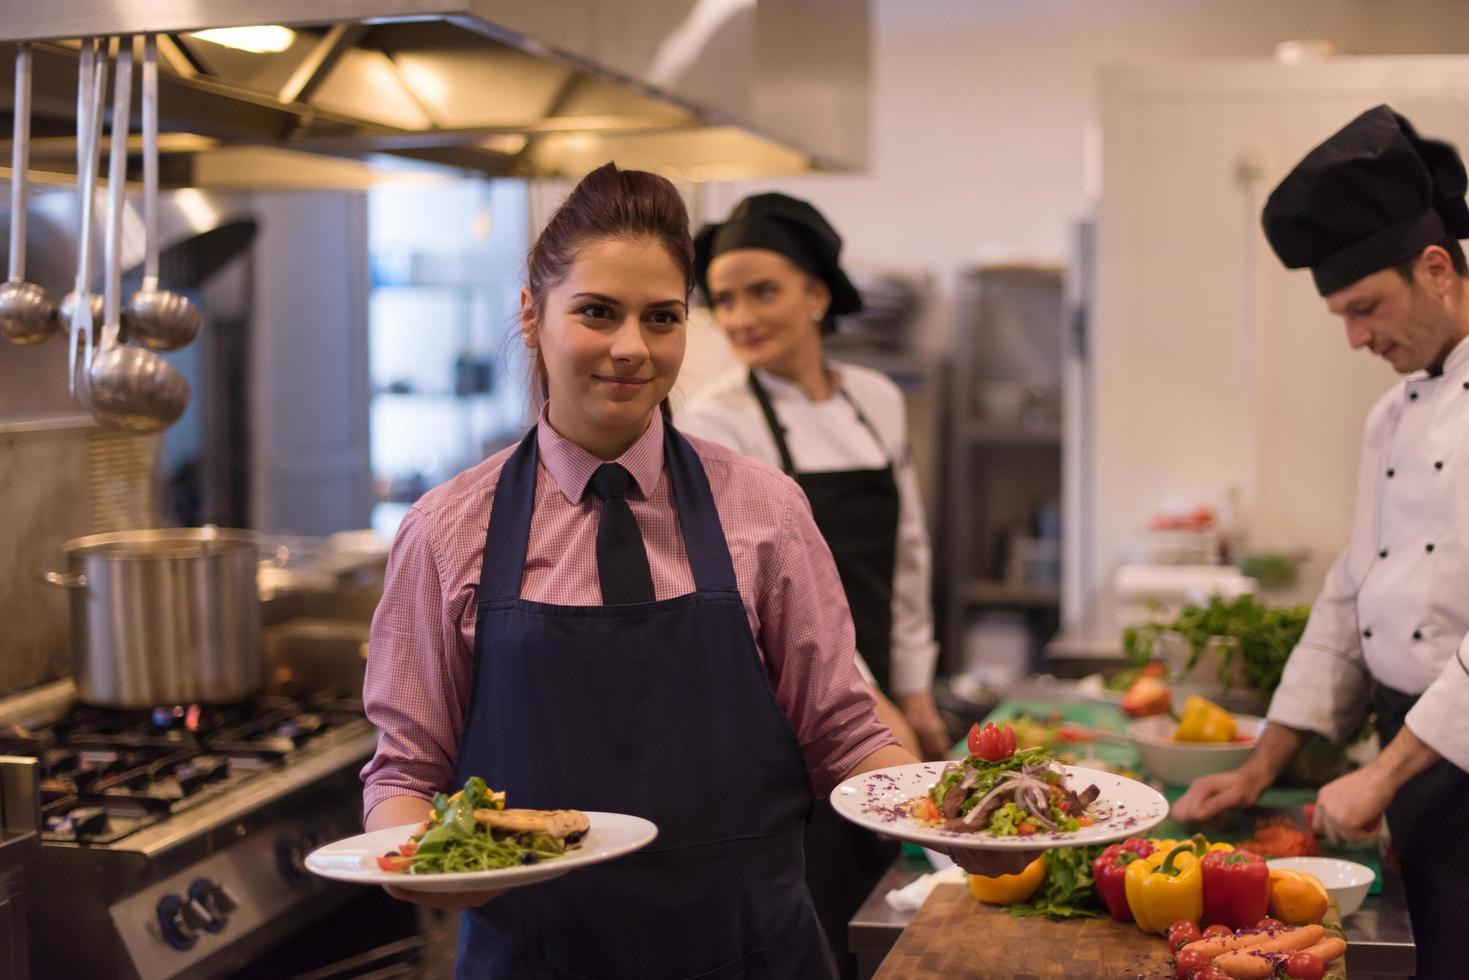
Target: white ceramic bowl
x: 1346, y: 881
x: 1180, y: 763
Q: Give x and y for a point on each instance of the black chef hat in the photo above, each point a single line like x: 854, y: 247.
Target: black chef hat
x: 1372, y: 195
x: 793, y: 228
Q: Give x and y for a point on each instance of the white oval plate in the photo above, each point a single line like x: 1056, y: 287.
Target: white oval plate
x: 355, y: 859
x: 879, y: 801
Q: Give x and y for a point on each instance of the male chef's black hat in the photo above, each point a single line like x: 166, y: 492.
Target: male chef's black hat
x: 1371, y: 196
x: 793, y: 228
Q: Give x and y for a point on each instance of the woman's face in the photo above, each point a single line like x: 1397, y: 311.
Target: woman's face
x: 768, y: 306
x: 611, y: 336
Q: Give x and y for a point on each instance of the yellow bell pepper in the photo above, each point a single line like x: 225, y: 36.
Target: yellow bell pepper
x: 1008, y: 889
x: 1204, y: 721
x: 1164, y: 887
x: 1198, y: 842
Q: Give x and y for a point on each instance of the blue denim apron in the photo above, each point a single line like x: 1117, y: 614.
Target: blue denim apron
x: 659, y: 709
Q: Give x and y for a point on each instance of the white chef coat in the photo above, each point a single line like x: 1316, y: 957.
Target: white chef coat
x: 826, y: 436
x: 1395, y: 605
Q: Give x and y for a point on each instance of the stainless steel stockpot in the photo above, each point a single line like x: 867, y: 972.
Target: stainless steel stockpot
x: 164, y: 617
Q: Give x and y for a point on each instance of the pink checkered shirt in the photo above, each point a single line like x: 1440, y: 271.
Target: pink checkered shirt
x: 422, y: 641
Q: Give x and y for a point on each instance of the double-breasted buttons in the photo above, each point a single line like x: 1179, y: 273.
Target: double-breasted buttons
x: 1417, y: 634
x: 1428, y: 547
x: 1367, y: 633
x: 1382, y: 553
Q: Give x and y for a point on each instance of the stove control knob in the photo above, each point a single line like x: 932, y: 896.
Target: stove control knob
x: 213, y: 903
x: 178, y: 922
x: 290, y: 857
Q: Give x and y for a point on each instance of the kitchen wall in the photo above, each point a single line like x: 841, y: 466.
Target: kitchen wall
x: 982, y: 110
x: 987, y: 146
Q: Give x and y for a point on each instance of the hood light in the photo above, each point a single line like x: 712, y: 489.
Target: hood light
x: 262, y: 39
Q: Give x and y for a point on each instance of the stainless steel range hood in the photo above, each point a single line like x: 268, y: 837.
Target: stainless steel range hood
x: 696, y: 89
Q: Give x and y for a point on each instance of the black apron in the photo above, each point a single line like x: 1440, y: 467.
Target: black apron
x: 857, y: 513
x: 659, y: 709
x: 1429, y: 821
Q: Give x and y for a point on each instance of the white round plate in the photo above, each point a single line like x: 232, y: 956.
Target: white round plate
x: 355, y: 859
x: 879, y: 801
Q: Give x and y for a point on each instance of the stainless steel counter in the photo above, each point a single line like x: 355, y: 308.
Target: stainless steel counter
x: 1379, y: 934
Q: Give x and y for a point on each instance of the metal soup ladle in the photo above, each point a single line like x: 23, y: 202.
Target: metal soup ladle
x: 157, y: 318
x: 27, y: 312
x: 131, y: 389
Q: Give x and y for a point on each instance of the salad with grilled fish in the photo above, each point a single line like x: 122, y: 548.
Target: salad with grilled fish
x: 472, y: 830
x: 1004, y: 792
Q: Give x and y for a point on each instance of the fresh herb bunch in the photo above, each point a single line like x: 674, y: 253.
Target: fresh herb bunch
x: 1069, y: 891
x: 1261, y: 636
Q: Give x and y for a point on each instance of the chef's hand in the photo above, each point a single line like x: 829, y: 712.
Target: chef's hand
x: 992, y: 863
x: 933, y: 736
x: 1209, y: 796
x: 453, y: 901
x: 1350, y: 808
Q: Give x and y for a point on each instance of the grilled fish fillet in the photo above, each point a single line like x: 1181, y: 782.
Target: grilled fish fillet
x: 553, y: 823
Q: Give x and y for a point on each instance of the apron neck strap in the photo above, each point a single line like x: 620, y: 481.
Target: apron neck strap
x: 703, y: 534
x: 772, y: 421
x: 503, y: 564
x: 509, y: 531
x: 778, y: 431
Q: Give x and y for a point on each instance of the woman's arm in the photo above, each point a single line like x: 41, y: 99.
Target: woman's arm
x: 396, y: 811
x: 417, y: 675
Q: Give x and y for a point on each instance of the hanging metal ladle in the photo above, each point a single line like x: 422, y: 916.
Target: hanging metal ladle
x: 157, y: 318
x: 27, y: 312
x: 130, y: 388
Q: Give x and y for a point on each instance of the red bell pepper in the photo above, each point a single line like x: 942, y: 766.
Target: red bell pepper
x: 1109, y: 872
x: 1236, y: 888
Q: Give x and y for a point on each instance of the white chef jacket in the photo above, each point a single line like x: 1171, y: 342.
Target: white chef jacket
x: 826, y: 436
x: 1395, y: 605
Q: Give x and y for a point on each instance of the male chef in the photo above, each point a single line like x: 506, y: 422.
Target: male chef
x: 1376, y: 212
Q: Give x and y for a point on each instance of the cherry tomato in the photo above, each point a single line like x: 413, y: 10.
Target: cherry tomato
x: 1211, y: 972
x: 394, y: 862
x: 408, y: 848
x: 1268, y: 924
x: 1305, y: 966
x: 1190, y: 961
x: 1183, y: 932
x: 1026, y: 829
x: 974, y: 739
x: 991, y: 743
x: 1140, y: 846
x: 1217, y: 931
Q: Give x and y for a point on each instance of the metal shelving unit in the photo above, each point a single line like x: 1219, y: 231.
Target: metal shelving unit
x: 999, y: 550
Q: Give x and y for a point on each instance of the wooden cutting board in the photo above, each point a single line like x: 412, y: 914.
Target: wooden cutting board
x: 952, y: 936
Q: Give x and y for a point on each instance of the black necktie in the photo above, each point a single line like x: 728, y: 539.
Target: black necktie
x: 622, y: 561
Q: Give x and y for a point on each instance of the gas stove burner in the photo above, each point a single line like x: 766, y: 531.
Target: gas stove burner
x: 105, y: 773
x: 176, y: 718
x: 97, y: 819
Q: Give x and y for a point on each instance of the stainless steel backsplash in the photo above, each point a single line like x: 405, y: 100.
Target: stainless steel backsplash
x: 60, y: 478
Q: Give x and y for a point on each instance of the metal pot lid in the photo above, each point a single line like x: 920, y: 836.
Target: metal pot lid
x: 170, y: 542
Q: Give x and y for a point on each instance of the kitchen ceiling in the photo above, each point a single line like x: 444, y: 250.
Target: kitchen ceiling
x: 696, y: 89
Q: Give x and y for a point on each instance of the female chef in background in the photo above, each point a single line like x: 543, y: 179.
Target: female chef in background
x: 772, y: 276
